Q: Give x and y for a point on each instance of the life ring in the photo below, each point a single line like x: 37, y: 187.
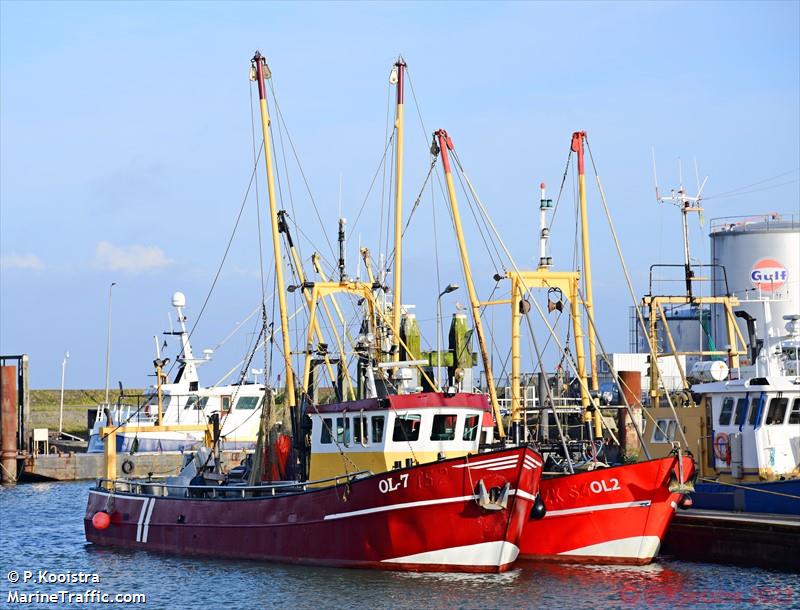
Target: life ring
x: 722, y: 447
x: 127, y: 467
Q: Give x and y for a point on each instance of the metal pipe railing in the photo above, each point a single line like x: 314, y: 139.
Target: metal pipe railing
x: 135, y: 486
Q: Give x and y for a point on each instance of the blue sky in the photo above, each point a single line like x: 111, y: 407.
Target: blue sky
x: 126, y: 148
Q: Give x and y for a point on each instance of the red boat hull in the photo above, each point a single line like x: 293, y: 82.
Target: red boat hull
x: 423, y: 518
x: 609, y: 515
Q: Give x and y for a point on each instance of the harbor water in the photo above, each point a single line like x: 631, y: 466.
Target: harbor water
x: 43, y: 548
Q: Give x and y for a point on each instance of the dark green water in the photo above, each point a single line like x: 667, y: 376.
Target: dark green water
x: 41, y: 528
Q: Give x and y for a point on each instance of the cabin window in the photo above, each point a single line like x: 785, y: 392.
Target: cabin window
x: 406, y: 428
x: 741, y: 411
x: 327, y: 426
x: 664, y: 430
x: 196, y: 403
x: 777, y: 411
x: 471, y: 427
x: 153, y: 402
x: 225, y: 403
x: 248, y: 402
x: 360, y: 430
x: 725, y: 415
x: 794, y: 415
x: 343, y: 430
x: 444, y: 427
x: 753, y: 412
x: 377, y: 428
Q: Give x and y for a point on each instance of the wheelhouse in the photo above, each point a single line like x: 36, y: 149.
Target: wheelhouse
x: 379, y: 434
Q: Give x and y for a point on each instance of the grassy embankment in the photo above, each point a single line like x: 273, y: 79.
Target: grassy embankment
x: 45, y: 408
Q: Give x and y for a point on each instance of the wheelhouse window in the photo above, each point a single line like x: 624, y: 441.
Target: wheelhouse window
x: 753, y: 412
x: 225, y: 403
x: 444, y: 427
x: 196, y: 403
x: 725, y: 414
x: 777, y: 411
x: 360, y: 433
x: 248, y: 402
x: 378, y: 423
x: 470, y: 427
x: 325, y: 433
x: 343, y: 430
x: 406, y: 428
x: 794, y: 414
x: 741, y: 411
x: 153, y: 402
x: 664, y: 430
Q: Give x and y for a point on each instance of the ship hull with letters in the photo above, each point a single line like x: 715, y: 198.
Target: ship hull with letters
x: 608, y: 515
x: 463, y: 514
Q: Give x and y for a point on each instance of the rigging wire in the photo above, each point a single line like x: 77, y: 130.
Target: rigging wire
x: 629, y: 283
x: 381, y: 164
x: 386, y: 138
x: 561, y: 188
x: 742, y: 189
x: 300, y: 167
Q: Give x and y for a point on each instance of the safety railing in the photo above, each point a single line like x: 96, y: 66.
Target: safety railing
x: 157, y: 488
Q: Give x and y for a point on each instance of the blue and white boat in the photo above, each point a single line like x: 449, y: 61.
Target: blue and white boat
x: 184, y: 401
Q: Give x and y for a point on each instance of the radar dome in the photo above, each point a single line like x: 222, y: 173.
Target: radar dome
x: 179, y: 299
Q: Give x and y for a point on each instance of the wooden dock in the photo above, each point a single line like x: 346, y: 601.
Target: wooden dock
x: 751, y: 539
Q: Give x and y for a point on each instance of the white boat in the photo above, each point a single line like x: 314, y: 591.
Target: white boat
x: 184, y: 401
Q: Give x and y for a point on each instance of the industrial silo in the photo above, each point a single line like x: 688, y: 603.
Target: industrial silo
x: 761, y: 258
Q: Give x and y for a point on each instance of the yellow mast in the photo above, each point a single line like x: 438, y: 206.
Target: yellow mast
x: 259, y: 65
x: 339, y: 343
x: 578, y: 139
x: 398, y: 73
x: 445, y: 144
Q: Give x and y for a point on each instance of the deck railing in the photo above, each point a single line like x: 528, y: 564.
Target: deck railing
x: 158, y: 488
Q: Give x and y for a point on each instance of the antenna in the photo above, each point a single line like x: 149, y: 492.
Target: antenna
x: 655, y: 175
x: 686, y: 204
x: 340, y: 195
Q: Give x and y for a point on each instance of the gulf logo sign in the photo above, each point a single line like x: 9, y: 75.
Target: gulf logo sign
x: 768, y: 274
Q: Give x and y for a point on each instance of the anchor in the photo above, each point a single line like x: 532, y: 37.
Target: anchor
x: 494, y: 499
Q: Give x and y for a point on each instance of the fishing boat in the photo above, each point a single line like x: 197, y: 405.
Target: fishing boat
x: 739, y: 405
x: 183, y: 401
x: 592, y: 512
x: 745, y: 425
x: 393, y: 478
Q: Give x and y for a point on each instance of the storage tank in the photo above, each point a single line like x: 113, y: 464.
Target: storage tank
x: 761, y: 257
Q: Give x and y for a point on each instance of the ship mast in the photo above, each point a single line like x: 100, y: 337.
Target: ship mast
x: 445, y: 144
x: 260, y: 71
x: 398, y: 73
x: 577, y: 147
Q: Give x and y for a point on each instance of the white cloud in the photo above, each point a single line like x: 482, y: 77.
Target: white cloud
x: 21, y: 261
x: 129, y: 258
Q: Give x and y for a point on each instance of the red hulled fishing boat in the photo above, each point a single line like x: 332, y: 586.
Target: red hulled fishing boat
x: 461, y: 514
x: 617, y: 514
x: 393, y: 478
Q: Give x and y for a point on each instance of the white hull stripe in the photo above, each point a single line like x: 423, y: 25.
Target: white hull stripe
x: 636, y: 547
x: 146, y: 529
x: 523, y: 494
x: 598, y: 507
x: 480, y: 466
x: 497, y: 553
x: 530, y: 463
x: 492, y: 462
x: 381, y: 509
